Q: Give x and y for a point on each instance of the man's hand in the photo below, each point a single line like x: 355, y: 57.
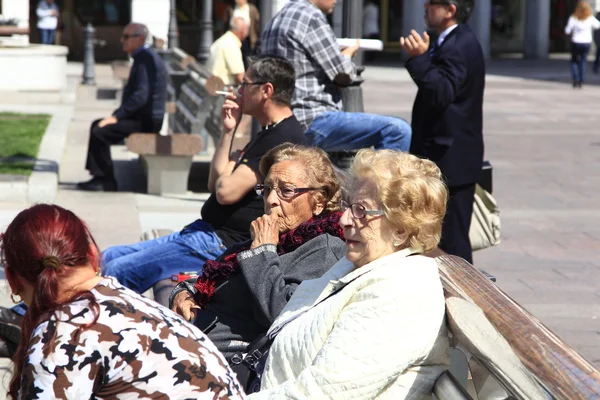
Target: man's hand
x: 184, y: 305
x: 351, y: 51
x: 264, y: 230
x: 107, y: 121
x: 53, y: 13
x: 232, y: 112
x: 414, y: 45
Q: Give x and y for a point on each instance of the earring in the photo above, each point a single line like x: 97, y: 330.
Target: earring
x: 397, y: 243
x: 12, y: 297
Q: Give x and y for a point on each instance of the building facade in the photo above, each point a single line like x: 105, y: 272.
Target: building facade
x: 531, y: 27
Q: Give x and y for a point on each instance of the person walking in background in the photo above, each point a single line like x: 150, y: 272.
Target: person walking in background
x: 447, y: 118
x: 250, y: 14
x: 579, y: 27
x: 47, y: 12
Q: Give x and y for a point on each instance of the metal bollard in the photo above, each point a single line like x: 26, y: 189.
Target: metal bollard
x: 89, y: 62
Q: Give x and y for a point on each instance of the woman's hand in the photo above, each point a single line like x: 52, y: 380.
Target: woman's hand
x: 232, y: 112
x: 264, y: 230
x: 185, y: 305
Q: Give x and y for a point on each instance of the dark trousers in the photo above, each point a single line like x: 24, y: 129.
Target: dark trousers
x: 457, y: 221
x: 99, y: 162
x: 597, y: 58
x: 47, y: 36
x: 579, y: 52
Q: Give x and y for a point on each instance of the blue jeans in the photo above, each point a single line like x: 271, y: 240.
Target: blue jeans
x: 141, y: 265
x: 338, y: 130
x: 579, y: 52
x: 47, y: 36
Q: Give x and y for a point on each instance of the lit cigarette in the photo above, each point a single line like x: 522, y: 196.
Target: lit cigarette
x: 223, y: 93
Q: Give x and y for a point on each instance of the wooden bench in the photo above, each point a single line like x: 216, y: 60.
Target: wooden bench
x: 168, y: 159
x: 506, y: 347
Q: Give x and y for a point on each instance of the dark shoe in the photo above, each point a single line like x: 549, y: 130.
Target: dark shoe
x: 97, y: 184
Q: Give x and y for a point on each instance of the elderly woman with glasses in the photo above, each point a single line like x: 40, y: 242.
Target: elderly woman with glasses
x: 373, y: 325
x: 238, y: 296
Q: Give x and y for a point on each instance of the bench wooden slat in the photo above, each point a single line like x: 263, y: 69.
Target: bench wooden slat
x: 173, y: 145
x: 564, y: 373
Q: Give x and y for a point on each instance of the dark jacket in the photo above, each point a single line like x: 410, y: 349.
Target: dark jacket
x: 447, y: 118
x: 145, y: 93
x: 245, y: 305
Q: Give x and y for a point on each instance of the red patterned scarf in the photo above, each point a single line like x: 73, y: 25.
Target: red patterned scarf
x: 214, y: 272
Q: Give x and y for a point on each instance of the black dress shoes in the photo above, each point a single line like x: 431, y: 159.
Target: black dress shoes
x: 98, y: 184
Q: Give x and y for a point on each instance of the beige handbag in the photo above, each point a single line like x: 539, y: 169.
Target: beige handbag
x: 485, y: 223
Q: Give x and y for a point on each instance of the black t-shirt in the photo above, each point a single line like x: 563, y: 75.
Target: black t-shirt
x: 232, y: 222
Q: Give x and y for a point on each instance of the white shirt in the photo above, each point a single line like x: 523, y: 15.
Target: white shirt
x: 444, y: 34
x: 370, y: 20
x: 581, y: 31
x: 45, y: 19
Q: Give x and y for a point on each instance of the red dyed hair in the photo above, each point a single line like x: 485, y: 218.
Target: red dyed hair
x: 41, y: 231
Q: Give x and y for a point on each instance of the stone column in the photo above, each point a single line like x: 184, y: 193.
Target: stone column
x: 352, y: 27
x: 267, y: 8
x: 338, y: 18
x: 537, y: 22
x: 480, y: 23
x: 412, y: 17
x: 20, y: 11
x: 154, y: 14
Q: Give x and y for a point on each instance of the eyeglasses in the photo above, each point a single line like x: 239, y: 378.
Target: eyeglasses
x: 244, y: 83
x: 126, y: 36
x: 285, y: 192
x: 358, y: 211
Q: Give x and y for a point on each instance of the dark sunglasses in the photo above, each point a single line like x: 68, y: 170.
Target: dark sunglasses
x: 438, y: 3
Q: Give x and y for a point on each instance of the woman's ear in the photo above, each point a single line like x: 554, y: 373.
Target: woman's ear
x: 13, y: 282
x: 400, y: 238
x: 319, y: 205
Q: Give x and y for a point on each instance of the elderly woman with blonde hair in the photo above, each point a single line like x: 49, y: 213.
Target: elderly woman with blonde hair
x: 372, y: 326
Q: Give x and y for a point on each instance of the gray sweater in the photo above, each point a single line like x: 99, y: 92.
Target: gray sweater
x: 244, y: 306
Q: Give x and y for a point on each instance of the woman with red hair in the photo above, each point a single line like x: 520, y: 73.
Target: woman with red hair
x: 85, y: 336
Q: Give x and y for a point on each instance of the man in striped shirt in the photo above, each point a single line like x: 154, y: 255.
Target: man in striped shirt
x: 300, y: 33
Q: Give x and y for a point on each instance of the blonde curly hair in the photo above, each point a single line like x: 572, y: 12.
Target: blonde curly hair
x: 410, y: 190
x: 318, y: 169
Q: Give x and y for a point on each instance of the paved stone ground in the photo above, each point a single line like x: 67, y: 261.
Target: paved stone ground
x: 541, y: 138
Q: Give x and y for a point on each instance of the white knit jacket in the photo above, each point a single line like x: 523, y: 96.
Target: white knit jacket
x: 382, y: 336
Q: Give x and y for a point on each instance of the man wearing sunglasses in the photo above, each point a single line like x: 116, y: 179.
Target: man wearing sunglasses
x: 142, y: 109
x: 447, y: 119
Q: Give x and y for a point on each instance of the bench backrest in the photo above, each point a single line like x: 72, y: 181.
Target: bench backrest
x: 560, y: 370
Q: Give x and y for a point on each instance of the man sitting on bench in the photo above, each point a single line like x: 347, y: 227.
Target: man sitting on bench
x: 142, y: 109
x: 300, y: 33
x: 266, y: 93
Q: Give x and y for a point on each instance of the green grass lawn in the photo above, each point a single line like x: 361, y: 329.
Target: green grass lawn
x: 20, y: 137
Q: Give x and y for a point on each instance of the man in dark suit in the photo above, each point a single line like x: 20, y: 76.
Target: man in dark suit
x: 142, y: 109
x: 447, y: 119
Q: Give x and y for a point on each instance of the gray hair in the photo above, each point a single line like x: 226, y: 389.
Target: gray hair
x: 141, y: 30
x: 237, y: 23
